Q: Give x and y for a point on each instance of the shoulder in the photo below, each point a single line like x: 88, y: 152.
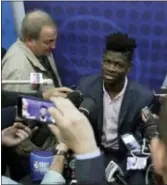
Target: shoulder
x: 141, y: 91
x: 14, y: 56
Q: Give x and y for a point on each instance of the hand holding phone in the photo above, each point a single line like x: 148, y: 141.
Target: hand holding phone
x: 31, y: 108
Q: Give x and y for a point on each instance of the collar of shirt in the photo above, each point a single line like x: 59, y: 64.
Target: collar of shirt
x: 121, y: 93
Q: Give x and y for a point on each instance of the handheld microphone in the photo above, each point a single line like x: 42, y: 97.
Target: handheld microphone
x: 76, y: 97
x: 40, y: 135
x: 44, y: 81
x: 87, y: 106
x: 114, y: 173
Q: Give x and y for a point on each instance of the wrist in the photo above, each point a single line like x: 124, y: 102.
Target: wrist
x: 58, y: 163
x: 86, y: 149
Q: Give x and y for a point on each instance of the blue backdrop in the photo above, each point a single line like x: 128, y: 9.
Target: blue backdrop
x: 8, y: 31
x: 84, y: 25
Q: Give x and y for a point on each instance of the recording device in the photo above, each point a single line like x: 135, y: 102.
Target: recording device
x: 148, y: 114
x: 43, y: 132
x: 87, y: 107
x: 31, y: 108
x: 114, y: 174
x: 131, y: 143
x: 76, y: 97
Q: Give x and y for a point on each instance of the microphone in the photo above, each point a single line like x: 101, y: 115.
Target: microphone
x: 114, y: 173
x: 87, y: 106
x: 36, y: 80
x: 44, y: 81
x: 76, y: 97
x: 40, y: 135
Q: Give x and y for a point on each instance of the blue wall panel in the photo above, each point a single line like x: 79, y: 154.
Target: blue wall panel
x: 8, y: 31
x: 84, y: 25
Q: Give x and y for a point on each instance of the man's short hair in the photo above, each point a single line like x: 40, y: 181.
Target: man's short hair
x: 122, y: 43
x: 32, y: 24
x: 163, y: 121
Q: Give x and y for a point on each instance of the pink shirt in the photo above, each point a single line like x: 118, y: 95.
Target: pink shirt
x: 111, y: 110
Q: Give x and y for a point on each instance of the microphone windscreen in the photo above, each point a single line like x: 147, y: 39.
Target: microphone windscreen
x: 76, y: 97
x: 87, y: 106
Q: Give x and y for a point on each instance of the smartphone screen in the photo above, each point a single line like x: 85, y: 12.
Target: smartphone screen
x: 130, y: 142
x: 35, y: 109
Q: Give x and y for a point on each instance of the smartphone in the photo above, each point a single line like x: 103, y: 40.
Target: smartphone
x: 32, y: 108
x: 130, y: 142
x: 148, y: 114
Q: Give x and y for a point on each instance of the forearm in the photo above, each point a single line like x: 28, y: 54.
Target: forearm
x: 58, y: 164
x: 54, y: 174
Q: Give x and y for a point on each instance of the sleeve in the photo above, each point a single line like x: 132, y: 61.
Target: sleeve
x: 88, y: 155
x: 52, y: 177
x: 10, y: 71
x: 91, y: 171
x: 7, y: 180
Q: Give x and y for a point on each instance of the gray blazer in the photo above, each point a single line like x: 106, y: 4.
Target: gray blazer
x: 18, y: 63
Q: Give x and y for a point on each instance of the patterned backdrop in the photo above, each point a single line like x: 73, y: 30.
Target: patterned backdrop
x: 8, y: 31
x: 84, y: 25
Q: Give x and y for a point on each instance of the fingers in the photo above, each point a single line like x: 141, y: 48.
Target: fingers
x: 22, y: 134
x: 55, y: 130
x: 22, y: 127
x: 155, y: 116
x: 59, y: 94
x: 19, y: 125
x: 144, y: 118
x: 57, y: 115
x: 62, y: 146
x: 65, y: 89
x: 64, y: 105
x: 61, y: 91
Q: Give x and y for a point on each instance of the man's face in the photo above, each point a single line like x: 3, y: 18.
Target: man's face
x: 159, y: 157
x: 46, y: 42
x: 43, y: 111
x: 114, y: 67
